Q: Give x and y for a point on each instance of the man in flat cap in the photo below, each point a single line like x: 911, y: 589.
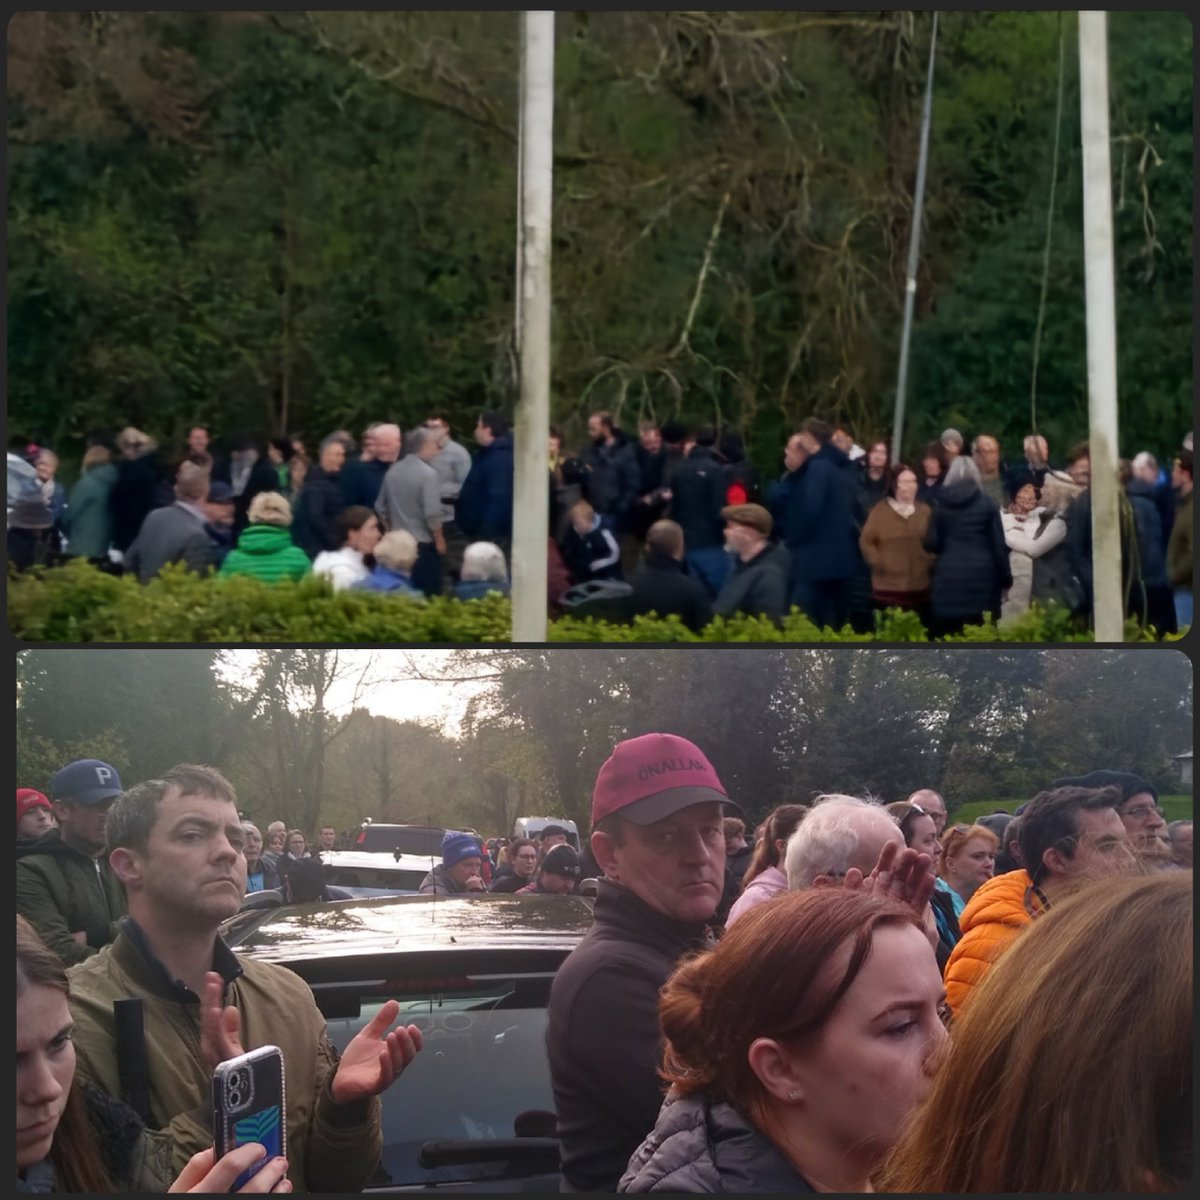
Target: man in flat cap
x: 758, y: 585
x: 658, y: 835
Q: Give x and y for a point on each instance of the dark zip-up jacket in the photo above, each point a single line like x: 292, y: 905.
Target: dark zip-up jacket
x: 704, y: 1145
x: 603, y: 1037
x: 697, y: 497
x: 757, y: 587
x: 61, y: 891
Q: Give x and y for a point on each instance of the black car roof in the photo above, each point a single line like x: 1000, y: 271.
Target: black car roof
x: 311, y: 937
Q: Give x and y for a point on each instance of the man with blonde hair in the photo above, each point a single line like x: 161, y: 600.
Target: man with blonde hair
x: 176, y: 533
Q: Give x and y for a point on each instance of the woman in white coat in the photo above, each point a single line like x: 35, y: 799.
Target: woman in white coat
x: 1030, y: 530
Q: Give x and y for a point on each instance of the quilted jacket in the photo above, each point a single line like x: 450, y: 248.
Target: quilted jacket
x: 994, y: 916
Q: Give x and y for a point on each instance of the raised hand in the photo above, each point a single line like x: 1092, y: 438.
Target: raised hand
x: 372, y: 1062
x: 901, y: 873
x: 220, y: 1025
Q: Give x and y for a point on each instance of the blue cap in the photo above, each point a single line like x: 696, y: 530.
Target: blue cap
x: 86, y: 781
x: 219, y: 492
x: 457, y: 846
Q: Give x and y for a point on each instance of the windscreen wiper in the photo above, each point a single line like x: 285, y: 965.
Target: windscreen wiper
x: 449, y: 1152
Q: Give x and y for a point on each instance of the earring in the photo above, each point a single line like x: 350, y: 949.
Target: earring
x: 794, y: 1094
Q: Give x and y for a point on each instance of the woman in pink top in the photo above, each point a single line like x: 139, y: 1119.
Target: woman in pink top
x: 763, y: 878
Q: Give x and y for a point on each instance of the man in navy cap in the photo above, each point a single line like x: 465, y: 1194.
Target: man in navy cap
x: 65, y: 888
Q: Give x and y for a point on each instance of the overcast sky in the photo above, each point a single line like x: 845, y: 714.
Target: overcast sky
x: 393, y: 686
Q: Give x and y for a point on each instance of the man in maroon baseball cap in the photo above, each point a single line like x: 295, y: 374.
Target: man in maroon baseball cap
x: 658, y: 809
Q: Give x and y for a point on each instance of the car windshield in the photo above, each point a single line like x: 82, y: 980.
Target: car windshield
x: 408, y: 839
x: 483, y: 1064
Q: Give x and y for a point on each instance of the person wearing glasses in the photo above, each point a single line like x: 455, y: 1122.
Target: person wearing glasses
x: 1138, y: 810
x: 1069, y: 835
x: 520, y: 869
x: 931, y: 802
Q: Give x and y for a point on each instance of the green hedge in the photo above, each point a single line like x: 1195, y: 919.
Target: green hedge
x: 78, y: 603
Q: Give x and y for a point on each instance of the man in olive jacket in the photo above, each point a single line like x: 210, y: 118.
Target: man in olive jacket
x: 177, y: 845
x: 65, y: 888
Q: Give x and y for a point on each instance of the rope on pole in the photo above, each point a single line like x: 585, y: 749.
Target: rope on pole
x: 914, y: 249
x: 1041, y: 316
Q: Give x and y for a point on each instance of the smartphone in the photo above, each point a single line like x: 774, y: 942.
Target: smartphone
x: 248, y: 1106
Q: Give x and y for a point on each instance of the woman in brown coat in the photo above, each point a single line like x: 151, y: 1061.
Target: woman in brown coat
x: 891, y: 543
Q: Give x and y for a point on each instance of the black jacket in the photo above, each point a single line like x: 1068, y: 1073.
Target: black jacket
x: 660, y: 584
x: 317, y: 508
x: 263, y: 478
x: 485, y: 500
x: 758, y: 587
x: 360, y: 482
x: 700, y: 1144
x: 972, y: 566
x: 603, y: 1038
x: 133, y: 497
x: 613, y: 477
x: 697, y: 497
x: 821, y: 532
x: 1152, y: 550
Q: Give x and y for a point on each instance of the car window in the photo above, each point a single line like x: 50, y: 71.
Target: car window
x: 386, y: 838
x: 483, y: 1063
x: 382, y: 878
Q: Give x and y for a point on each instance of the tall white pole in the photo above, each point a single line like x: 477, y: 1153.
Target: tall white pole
x: 1108, y: 606
x: 531, y: 500
x: 914, y: 251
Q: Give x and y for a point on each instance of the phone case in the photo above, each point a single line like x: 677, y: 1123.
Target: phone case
x: 248, y: 1098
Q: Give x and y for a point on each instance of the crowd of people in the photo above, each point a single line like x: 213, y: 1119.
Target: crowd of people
x: 675, y: 522
x: 855, y: 995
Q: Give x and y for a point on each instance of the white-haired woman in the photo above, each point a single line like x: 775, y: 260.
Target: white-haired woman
x: 265, y: 549
x: 972, y: 568
x: 483, y: 570
x: 394, y: 558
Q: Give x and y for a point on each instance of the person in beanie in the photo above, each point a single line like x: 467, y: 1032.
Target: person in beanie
x: 658, y: 835
x: 1139, y: 812
x: 558, y: 875
x: 35, y: 816
x: 458, y: 872
x: 758, y: 584
x: 65, y: 888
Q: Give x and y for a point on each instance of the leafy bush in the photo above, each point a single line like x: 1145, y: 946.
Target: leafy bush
x: 78, y: 603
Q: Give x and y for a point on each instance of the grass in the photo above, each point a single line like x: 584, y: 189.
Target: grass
x: 1176, y: 808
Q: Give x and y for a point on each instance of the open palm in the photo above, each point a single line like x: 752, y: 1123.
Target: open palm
x: 373, y: 1060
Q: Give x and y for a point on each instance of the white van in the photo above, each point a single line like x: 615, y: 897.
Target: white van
x: 531, y: 827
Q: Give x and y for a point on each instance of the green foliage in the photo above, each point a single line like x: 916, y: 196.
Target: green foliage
x: 78, y: 603
x: 307, y: 220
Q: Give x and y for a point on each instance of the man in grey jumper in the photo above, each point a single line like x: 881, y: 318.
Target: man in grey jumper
x: 410, y: 500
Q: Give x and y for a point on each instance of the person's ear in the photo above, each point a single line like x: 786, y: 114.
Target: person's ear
x: 772, y: 1065
x: 61, y: 808
x: 127, y: 866
x: 1055, y: 861
x: 604, y: 852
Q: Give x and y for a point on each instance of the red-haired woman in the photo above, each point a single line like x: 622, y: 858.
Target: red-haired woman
x: 795, y: 1050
